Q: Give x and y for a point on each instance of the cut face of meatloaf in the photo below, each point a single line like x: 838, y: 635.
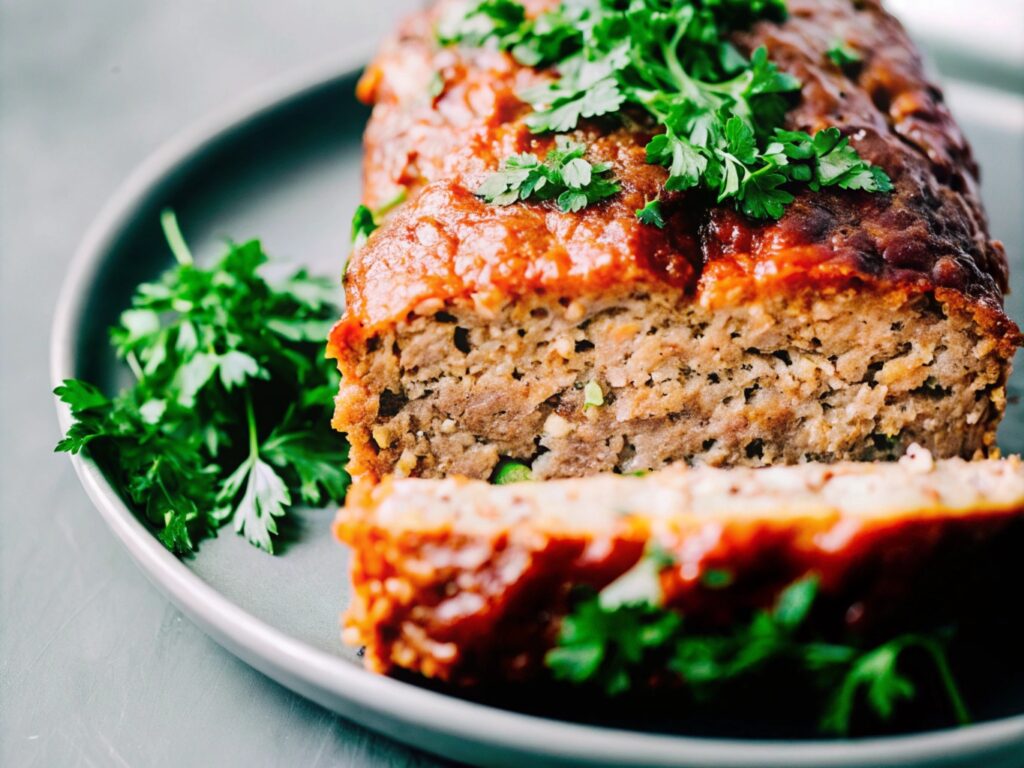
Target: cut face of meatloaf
x: 853, y: 326
x: 810, y: 376
x: 467, y: 582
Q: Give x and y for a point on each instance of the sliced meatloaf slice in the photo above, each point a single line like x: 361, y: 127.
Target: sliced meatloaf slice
x: 467, y: 582
x: 853, y: 326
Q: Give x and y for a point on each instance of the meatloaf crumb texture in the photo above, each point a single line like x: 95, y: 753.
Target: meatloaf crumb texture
x: 466, y: 582
x: 854, y: 325
x: 814, y: 377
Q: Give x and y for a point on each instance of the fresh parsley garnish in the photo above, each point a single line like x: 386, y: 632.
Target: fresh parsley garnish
x: 609, y: 648
x: 877, y: 675
x: 623, y: 635
x: 366, y: 221
x: 843, y: 56
x: 564, y: 176
x: 364, y: 224
x: 474, y: 25
x: 228, y: 416
x: 651, y: 214
x: 721, y: 113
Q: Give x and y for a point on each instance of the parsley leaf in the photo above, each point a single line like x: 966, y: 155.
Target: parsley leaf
x: 651, y: 214
x: 843, y: 56
x: 265, y: 497
x: 837, y: 163
x: 876, y: 674
x: 228, y: 417
x: 564, y: 176
x: 609, y: 636
x: 499, y: 20
x: 721, y: 114
x: 365, y: 222
x: 609, y: 648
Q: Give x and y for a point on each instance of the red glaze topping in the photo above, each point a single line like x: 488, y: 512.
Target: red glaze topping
x: 445, y: 243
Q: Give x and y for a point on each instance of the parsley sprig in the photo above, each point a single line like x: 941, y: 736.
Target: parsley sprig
x: 651, y: 214
x: 228, y: 416
x: 623, y: 635
x: 721, y: 114
x: 564, y: 176
x: 366, y: 221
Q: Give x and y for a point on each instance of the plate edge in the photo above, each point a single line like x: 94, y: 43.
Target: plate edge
x: 435, y: 716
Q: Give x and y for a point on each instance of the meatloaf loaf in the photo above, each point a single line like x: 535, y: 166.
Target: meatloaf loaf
x: 467, y: 582
x: 853, y: 326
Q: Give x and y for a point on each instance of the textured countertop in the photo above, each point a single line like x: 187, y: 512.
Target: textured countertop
x: 96, y: 668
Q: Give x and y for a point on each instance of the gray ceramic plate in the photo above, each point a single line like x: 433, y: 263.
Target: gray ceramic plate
x: 285, y: 167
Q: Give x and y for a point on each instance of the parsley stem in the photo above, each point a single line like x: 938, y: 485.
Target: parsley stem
x: 389, y: 205
x: 250, y: 415
x: 683, y: 81
x: 171, y: 506
x: 960, y: 711
x: 133, y: 363
x: 175, y: 240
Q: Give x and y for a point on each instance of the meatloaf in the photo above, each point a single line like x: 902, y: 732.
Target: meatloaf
x: 467, y: 582
x: 853, y: 326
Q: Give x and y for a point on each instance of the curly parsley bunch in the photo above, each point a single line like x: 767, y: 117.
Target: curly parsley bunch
x: 228, y: 417
x: 721, y: 113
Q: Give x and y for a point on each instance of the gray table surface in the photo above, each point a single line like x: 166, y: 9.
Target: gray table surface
x: 96, y: 668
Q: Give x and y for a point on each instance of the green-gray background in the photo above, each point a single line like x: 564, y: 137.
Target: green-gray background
x: 96, y: 668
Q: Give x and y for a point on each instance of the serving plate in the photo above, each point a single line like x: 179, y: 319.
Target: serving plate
x: 284, y: 166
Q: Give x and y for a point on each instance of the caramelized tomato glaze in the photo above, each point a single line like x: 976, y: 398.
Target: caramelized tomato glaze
x: 445, y: 244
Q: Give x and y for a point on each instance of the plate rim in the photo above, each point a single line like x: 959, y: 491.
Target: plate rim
x: 434, y: 721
